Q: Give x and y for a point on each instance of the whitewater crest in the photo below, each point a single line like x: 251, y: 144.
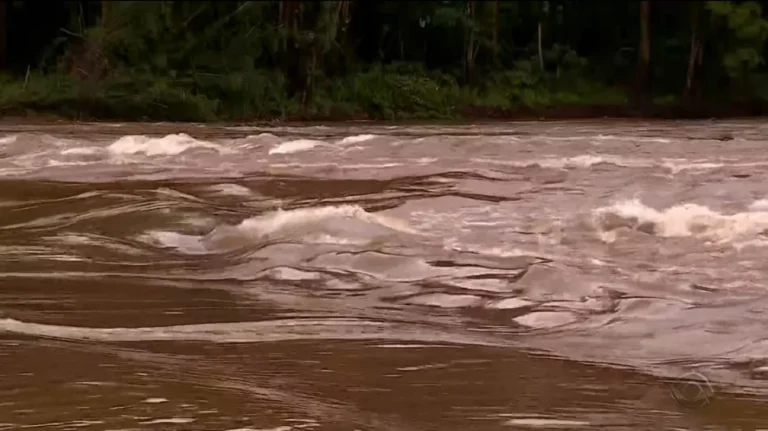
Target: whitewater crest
x: 684, y: 220
x: 169, y: 145
x: 280, y: 221
x: 342, y: 224
x: 295, y: 146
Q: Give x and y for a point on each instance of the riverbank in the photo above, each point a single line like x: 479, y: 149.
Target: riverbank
x: 372, y: 96
x: 471, y: 115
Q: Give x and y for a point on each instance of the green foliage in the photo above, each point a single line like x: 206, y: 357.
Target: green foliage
x: 38, y: 92
x: 240, y: 60
x: 745, y: 36
x: 398, y: 91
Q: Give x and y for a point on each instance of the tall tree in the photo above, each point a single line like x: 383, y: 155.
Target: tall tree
x: 495, y: 31
x: 3, y: 35
x: 469, y: 37
x: 695, y: 56
x: 644, y: 57
x: 105, y: 15
x: 542, y: 13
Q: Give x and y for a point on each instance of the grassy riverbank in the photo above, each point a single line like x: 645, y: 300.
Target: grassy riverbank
x: 393, y: 93
x: 382, y: 60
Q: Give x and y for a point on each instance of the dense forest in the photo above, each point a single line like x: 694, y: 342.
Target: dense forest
x: 300, y: 59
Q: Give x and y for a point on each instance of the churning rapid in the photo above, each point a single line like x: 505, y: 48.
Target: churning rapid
x: 533, y: 275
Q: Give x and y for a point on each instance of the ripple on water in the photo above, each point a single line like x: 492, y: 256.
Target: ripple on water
x: 384, y: 242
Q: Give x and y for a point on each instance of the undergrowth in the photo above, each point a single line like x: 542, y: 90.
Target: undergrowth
x: 395, y: 92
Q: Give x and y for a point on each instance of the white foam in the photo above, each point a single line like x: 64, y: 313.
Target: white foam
x: 632, y: 139
x: 294, y: 165
x: 509, y: 304
x: 260, y: 136
x: 169, y: 421
x: 8, y: 139
x: 546, y: 319
x: 679, y: 165
x: 166, y: 146
x: 685, y: 220
x: 322, y: 238
x: 585, y: 161
x: 548, y: 423
x: 295, y: 146
x: 280, y: 222
x: 759, y: 205
x: 230, y: 190
x: 489, y: 251
x: 82, y: 151
x: 357, y: 139
x: 582, y: 161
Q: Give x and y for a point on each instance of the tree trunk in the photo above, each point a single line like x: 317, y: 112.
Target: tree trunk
x: 644, y: 59
x: 695, y: 49
x: 344, y: 16
x: 469, y: 59
x: 3, y: 35
x: 541, y: 51
x: 290, y: 11
x: 292, y: 57
x: 105, y: 15
x: 495, y: 31
x: 309, y: 86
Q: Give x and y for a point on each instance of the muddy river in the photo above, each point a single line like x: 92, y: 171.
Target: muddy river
x: 568, y: 275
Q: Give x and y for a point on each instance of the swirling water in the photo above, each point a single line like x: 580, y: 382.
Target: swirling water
x: 362, y: 277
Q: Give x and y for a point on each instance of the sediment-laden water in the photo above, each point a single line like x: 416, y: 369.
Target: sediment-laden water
x: 484, y: 277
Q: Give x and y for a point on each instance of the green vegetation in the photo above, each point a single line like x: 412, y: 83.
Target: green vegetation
x: 294, y: 59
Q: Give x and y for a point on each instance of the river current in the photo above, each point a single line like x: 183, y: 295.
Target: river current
x: 554, y: 275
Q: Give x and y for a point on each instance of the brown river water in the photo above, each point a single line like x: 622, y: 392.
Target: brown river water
x: 565, y: 275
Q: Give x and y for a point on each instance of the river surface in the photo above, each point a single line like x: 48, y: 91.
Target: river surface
x: 569, y: 275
